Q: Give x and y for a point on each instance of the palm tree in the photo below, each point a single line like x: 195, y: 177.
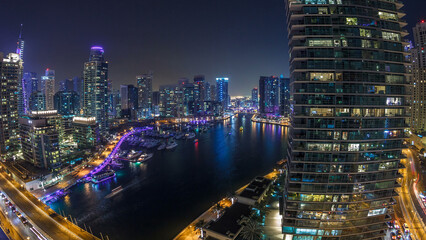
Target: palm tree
x: 199, y: 225
x: 252, y: 231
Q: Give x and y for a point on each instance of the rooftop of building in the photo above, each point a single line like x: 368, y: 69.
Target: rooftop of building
x: 256, y: 188
x: 25, y: 170
x: 85, y: 120
x: 231, y: 222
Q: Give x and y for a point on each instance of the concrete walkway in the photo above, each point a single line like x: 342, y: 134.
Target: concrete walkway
x: 189, y: 232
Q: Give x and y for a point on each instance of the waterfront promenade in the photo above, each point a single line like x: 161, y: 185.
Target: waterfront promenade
x: 191, y: 233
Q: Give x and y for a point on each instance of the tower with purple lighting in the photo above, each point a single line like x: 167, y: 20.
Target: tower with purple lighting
x: 20, y: 44
x: 95, y: 88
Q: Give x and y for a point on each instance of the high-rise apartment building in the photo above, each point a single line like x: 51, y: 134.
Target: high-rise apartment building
x: 347, y: 127
x: 66, y: 85
x: 144, y: 84
x: 213, y: 93
x: 284, y: 96
x: 222, y: 95
x: 156, y: 103
x: 40, y: 139
x: 168, y: 101
x: 78, y: 86
x: 255, y: 97
x: 129, y: 101
x: 124, y: 94
x: 37, y: 102
x: 30, y: 85
x: 95, y: 88
x: 114, y: 104
x: 418, y: 57
x: 85, y: 132
x: 67, y: 103
x: 269, y: 95
x: 22, y: 104
x: 10, y: 78
x: 48, y: 87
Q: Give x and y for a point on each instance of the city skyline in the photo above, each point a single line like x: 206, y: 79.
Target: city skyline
x: 227, y: 35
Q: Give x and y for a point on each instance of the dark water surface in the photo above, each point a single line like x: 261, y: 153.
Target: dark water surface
x: 165, y: 194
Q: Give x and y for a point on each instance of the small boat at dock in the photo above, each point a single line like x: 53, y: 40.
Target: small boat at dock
x: 171, y: 145
x: 162, y: 147
x: 103, y: 176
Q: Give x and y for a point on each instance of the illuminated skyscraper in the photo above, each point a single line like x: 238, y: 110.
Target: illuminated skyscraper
x: 418, y: 107
x: 213, y: 92
x: 144, y: 83
x: 37, y: 102
x: 269, y: 95
x: 255, y: 97
x: 22, y: 103
x: 48, y: 87
x: 10, y: 78
x: 67, y: 103
x: 66, y: 85
x: 284, y: 96
x: 168, y: 101
x: 20, y: 44
x: 129, y: 101
x: 95, y: 88
x: 222, y: 95
x: 30, y: 85
x: 348, y: 117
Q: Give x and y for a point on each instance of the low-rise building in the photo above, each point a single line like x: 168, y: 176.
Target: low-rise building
x: 86, y: 132
x: 255, y: 191
x: 230, y: 224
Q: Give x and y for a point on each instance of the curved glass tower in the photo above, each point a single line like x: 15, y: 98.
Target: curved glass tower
x: 348, y: 80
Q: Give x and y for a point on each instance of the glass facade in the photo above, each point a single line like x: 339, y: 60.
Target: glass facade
x: 348, y: 115
x: 10, y: 78
x: 95, y: 89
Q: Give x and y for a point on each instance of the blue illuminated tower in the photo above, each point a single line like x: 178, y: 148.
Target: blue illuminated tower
x: 222, y: 95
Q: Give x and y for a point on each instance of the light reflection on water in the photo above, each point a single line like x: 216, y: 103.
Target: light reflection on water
x: 163, y: 195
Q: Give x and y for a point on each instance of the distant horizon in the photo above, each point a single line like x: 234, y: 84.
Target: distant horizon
x: 242, y: 40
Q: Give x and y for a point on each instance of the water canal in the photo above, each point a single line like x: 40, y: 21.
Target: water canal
x: 163, y: 195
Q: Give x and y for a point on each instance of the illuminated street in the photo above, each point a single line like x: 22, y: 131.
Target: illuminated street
x: 407, y: 200
x: 50, y: 224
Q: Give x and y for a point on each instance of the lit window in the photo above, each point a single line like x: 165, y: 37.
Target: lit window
x: 351, y: 21
x: 376, y: 212
x: 320, y: 43
x: 364, y: 32
x: 394, y: 101
x: 353, y: 147
x: 391, y: 36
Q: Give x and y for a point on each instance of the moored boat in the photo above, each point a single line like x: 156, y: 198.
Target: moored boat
x: 171, y: 145
x: 162, y: 146
x: 145, y: 157
x: 103, y: 176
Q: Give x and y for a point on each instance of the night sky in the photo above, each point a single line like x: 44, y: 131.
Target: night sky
x: 240, y: 39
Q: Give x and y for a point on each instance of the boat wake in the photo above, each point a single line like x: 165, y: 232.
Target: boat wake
x: 120, y: 189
